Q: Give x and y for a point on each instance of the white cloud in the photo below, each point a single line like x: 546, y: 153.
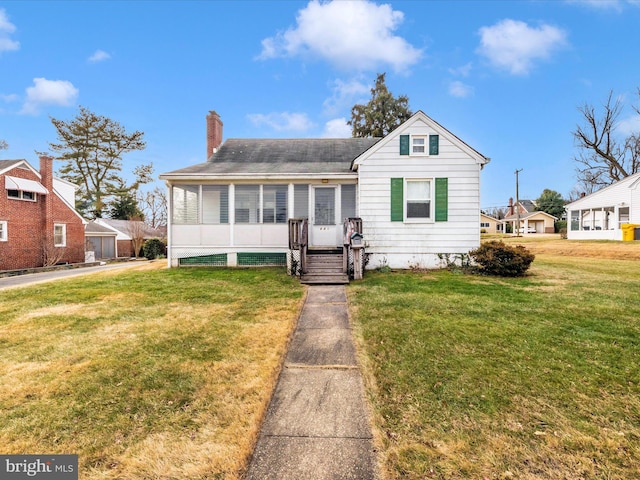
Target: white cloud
x: 337, y: 128
x: 349, y: 35
x: 48, y: 92
x: 282, y: 121
x: 459, y: 89
x: 99, y: 56
x: 629, y: 126
x: 462, y: 71
x: 345, y: 95
x: 515, y: 46
x: 6, y: 29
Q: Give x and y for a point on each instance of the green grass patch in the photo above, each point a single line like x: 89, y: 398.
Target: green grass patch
x: 480, y: 377
x: 149, y: 373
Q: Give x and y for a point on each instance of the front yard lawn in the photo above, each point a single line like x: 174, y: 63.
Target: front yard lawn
x: 150, y: 373
x: 493, y: 378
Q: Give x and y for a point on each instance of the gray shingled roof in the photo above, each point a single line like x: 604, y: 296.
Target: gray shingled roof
x: 8, y: 163
x: 282, y: 156
x: 93, y: 227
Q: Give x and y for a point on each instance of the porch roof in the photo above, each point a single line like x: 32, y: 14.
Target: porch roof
x: 280, y: 157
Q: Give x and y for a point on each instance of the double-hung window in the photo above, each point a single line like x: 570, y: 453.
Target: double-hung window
x: 418, y: 199
x: 3, y: 231
x: 418, y: 144
x: 60, y: 235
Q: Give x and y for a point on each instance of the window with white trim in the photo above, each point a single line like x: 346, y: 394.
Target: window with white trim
x: 60, y: 235
x: 3, y: 231
x: 22, y: 195
x: 418, y: 201
x: 418, y: 144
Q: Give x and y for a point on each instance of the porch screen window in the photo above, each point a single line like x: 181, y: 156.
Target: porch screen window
x: 418, y: 199
x: 274, y: 198
x: 3, y: 231
x: 575, y: 220
x: 348, y: 201
x: 60, y: 235
x: 215, y: 204
x: 185, y: 204
x: 301, y: 201
x: 247, y: 204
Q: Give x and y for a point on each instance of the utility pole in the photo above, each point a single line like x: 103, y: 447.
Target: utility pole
x: 517, y: 205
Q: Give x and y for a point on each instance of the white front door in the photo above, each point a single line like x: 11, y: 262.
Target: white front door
x: 324, y: 231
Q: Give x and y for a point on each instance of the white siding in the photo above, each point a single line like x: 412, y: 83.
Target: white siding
x: 402, y: 244
x: 623, y: 194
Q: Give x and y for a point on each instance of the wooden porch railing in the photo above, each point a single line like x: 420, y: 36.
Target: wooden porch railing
x: 299, y: 239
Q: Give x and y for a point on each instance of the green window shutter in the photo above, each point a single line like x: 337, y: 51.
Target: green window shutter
x: 404, y: 144
x: 397, y: 200
x: 434, y: 144
x: 442, y: 199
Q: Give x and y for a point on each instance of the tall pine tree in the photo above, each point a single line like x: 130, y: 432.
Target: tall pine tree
x: 383, y: 114
x: 92, y: 147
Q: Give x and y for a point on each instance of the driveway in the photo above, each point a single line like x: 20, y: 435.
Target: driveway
x: 32, y: 278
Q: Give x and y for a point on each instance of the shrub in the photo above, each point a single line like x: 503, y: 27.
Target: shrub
x: 499, y: 259
x: 153, y: 248
x: 560, y: 225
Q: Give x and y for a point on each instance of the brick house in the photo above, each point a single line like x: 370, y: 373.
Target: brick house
x: 38, y: 221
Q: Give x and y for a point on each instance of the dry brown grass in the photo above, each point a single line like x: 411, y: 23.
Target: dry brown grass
x: 145, y: 373
x: 554, y: 245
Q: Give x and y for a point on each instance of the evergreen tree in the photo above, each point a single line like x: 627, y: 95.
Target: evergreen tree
x: 383, y: 114
x: 92, y: 147
x: 551, y: 202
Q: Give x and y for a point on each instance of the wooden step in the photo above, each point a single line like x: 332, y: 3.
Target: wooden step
x: 324, y: 268
x: 324, y: 278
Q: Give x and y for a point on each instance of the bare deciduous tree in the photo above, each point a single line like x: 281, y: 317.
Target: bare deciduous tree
x: 154, y: 206
x: 605, y: 156
x: 136, y: 229
x: 51, y: 255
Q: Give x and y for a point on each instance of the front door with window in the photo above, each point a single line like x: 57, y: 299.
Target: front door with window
x: 324, y: 231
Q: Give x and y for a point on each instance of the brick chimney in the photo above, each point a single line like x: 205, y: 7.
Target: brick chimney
x: 214, y: 132
x: 511, y: 212
x: 46, y: 176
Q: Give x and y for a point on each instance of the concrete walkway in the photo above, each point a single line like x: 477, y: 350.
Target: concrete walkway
x: 317, y: 424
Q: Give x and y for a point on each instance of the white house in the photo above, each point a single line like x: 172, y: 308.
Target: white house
x: 607, y: 213
x: 415, y: 193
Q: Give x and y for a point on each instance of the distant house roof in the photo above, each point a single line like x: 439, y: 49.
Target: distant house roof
x: 280, y: 157
x: 127, y: 226
x: 95, y: 229
x: 528, y: 215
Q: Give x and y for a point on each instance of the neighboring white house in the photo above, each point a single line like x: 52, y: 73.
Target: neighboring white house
x: 417, y: 191
x: 605, y: 214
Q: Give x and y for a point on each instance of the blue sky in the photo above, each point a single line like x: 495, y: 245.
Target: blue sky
x: 505, y: 76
